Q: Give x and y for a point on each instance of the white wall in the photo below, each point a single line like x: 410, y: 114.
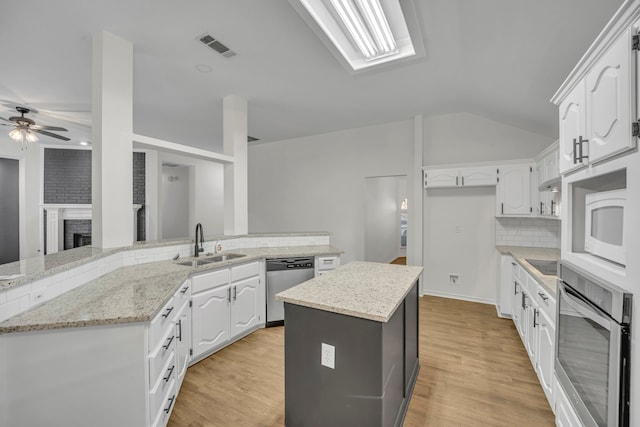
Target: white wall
x: 316, y: 183
x: 466, y: 138
x: 382, y: 217
x: 30, y: 176
x: 459, y: 238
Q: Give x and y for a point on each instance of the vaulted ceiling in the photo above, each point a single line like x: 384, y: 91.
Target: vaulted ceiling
x: 501, y: 59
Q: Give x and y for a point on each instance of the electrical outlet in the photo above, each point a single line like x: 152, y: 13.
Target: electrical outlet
x: 454, y: 279
x: 328, y: 356
x: 458, y: 229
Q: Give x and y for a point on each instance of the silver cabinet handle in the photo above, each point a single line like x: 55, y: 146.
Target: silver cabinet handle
x: 543, y: 296
x: 581, y: 141
x: 535, y: 317
x: 552, y: 207
x: 515, y: 288
x: 169, y: 341
x: 463, y: 181
x: 235, y: 293
x: 171, y: 400
x: 169, y: 372
x: 502, y: 208
x: 180, y: 330
x: 184, y: 290
x: 456, y: 180
x: 229, y: 295
x: 524, y: 300
x: 575, y: 151
x: 541, y: 209
x: 169, y: 310
x: 513, y: 263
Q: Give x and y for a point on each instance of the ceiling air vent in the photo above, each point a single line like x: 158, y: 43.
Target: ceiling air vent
x: 216, y: 45
x: 251, y: 139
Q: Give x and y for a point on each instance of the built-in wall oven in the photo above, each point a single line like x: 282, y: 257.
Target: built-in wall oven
x: 593, y: 346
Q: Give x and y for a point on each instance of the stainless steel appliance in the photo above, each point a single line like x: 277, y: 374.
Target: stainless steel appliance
x: 282, y: 274
x: 604, y: 225
x: 593, y: 346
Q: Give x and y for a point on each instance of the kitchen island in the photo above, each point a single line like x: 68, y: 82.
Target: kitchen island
x: 351, y: 346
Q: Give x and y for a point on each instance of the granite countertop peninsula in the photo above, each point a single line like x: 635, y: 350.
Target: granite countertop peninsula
x: 135, y: 293
x: 19, y: 272
x: 367, y: 290
x: 521, y: 253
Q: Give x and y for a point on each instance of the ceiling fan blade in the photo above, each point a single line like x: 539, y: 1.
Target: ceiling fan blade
x: 6, y: 120
x: 40, y: 127
x: 52, y: 135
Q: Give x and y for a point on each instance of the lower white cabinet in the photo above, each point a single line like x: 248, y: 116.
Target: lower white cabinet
x: 533, y: 314
x: 565, y: 415
x: 504, y: 294
x: 183, y: 344
x: 229, y: 305
x: 211, y: 319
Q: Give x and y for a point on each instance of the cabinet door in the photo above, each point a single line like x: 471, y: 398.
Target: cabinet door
x: 514, y: 190
x: 505, y: 290
x: 531, y: 327
x: 436, y: 178
x: 478, y: 176
x: 210, y: 321
x: 572, y: 127
x: 516, y: 302
x: 551, y: 166
x: 542, y: 207
x: 245, y: 310
x: 183, y: 334
x: 609, y: 102
x: 544, y: 363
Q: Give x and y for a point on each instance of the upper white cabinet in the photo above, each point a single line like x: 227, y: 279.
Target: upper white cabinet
x: 513, y: 194
x: 474, y: 176
x: 597, y: 115
x: 608, y: 90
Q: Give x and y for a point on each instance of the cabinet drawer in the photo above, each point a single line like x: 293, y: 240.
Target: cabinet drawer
x: 546, y: 302
x: 182, y: 296
x: 158, y: 356
x: 243, y: 271
x: 161, y: 402
x: 532, y: 285
x: 517, y: 271
x: 161, y: 322
x: 328, y: 262
x: 211, y: 280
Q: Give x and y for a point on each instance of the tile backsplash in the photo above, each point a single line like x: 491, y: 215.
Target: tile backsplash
x: 532, y: 232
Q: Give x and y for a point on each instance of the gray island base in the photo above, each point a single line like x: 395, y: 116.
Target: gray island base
x: 351, y: 346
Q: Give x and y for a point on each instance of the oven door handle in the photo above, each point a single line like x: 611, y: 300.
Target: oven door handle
x: 585, y: 308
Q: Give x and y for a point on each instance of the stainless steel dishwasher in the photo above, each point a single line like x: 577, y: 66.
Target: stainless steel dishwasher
x: 282, y: 274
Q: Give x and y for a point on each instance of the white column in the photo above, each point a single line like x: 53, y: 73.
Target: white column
x: 415, y: 215
x: 236, y: 215
x: 112, y: 133
x: 53, y: 230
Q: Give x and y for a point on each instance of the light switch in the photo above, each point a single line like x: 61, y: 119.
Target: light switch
x: 328, y: 356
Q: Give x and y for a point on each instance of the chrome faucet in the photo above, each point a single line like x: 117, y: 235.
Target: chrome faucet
x: 198, y: 248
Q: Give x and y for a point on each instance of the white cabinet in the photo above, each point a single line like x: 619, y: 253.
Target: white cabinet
x: 473, y: 176
x: 572, y: 128
x: 546, y: 354
x: 244, y: 308
x: 229, y: 304
x: 513, y: 193
x: 211, y: 320
x: 608, y: 99
x: 596, y: 116
x: 505, y: 289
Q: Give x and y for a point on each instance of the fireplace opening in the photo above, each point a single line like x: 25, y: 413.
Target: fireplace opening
x: 77, y: 232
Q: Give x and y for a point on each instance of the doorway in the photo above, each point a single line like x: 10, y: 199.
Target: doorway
x: 385, y: 218
x: 9, y: 210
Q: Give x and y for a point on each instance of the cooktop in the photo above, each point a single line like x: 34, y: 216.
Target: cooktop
x: 544, y: 266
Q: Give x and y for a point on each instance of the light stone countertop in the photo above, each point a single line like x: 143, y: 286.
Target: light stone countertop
x: 19, y: 272
x: 366, y: 290
x: 135, y: 293
x: 520, y: 254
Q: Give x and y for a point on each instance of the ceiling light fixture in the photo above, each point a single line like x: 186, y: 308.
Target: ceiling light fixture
x: 368, y: 26
x: 365, y: 33
x: 22, y: 135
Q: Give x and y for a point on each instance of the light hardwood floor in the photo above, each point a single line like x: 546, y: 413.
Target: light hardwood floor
x: 474, y: 372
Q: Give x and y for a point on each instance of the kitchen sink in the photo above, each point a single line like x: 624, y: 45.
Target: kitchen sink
x: 197, y: 262
x: 544, y: 266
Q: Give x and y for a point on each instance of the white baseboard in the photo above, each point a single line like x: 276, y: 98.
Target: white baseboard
x: 459, y: 297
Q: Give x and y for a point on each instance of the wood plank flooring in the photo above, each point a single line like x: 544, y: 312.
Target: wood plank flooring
x: 474, y: 372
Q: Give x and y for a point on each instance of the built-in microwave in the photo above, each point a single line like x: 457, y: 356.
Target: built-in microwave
x: 604, y: 225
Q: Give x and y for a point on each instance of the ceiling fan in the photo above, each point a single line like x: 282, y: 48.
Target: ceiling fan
x: 25, y: 127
